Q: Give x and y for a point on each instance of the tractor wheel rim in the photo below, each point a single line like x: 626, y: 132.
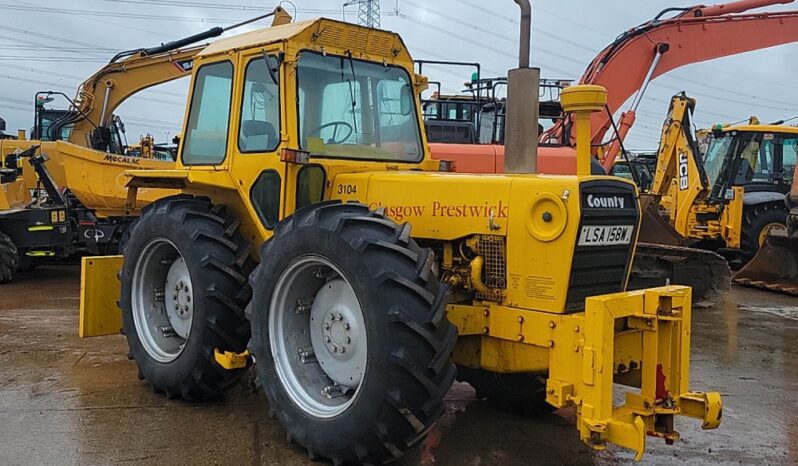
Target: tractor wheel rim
x: 767, y: 229
x: 318, y: 337
x: 162, y: 300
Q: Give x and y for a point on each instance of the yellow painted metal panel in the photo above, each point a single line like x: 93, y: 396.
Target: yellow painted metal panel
x: 99, y: 293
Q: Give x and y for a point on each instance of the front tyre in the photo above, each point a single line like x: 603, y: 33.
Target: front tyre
x: 9, y: 258
x: 184, y: 290
x: 349, y: 334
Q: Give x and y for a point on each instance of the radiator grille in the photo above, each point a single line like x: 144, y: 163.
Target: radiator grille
x: 494, y: 273
x: 597, y: 270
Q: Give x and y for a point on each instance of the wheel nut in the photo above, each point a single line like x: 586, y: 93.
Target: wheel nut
x: 347, y: 340
x: 340, y: 316
x: 327, y: 326
x: 335, y: 348
x: 346, y: 326
x: 327, y: 339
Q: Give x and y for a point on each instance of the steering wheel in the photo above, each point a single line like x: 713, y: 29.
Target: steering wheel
x: 335, y: 124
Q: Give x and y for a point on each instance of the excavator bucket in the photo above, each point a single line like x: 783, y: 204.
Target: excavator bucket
x: 775, y: 266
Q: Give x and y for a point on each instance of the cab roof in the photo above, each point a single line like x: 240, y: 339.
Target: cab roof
x: 762, y: 129
x: 320, y: 32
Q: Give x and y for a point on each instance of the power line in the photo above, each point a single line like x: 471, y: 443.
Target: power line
x: 219, y: 6
x: 133, y: 98
x: 55, y: 38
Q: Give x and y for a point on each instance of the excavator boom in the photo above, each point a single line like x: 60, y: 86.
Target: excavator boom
x: 654, y: 48
x: 109, y: 87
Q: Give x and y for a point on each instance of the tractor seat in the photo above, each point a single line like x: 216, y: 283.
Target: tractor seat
x: 257, y: 136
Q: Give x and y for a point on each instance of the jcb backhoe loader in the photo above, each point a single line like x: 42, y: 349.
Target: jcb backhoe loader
x: 729, y: 199
x: 315, y: 238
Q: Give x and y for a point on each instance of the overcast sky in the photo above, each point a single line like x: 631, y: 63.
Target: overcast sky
x: 56, y: 44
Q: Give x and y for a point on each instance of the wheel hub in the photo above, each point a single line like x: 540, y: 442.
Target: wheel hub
x: 336, y: 332
x: 179, y: 298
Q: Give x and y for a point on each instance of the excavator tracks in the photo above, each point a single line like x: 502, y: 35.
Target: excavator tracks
x: 706, y: 272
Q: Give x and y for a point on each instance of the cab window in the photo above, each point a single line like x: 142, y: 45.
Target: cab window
x: 209, y: 117
x: 260, y: 108
x: 790, y: 157
x: 759, y: 154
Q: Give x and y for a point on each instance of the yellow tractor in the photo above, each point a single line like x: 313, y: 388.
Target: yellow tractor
x: 315, y: 238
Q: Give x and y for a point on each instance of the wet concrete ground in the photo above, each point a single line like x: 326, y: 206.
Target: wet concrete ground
x: 69, y: 401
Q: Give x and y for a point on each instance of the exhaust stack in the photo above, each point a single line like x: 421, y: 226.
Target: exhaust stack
x: 521, y: 122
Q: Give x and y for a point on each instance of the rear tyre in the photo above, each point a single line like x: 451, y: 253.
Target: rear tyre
x: 9, y: 259
x: 517, y: 393
x: 184, y: 290
x: 349, y: 334
x: 757, y: 220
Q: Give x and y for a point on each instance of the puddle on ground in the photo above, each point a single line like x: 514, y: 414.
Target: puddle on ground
x: 787, y: 312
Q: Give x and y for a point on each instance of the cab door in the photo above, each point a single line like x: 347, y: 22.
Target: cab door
x: 258, y: 137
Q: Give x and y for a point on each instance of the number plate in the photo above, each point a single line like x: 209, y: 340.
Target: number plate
x: 605, y: 235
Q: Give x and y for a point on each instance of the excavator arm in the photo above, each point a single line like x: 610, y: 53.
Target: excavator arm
x: 108, y: 88
x: 656, y: 47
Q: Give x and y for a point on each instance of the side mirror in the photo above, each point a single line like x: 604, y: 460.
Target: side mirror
x: 176, y: 140
x: 2, y: 124
x: 406, y: 100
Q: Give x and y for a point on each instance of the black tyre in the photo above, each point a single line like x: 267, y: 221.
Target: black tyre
x: 9, y: 259
x: 757, y: 220
x: 184, y: 290
x: 350, y: 335
x: 518, y: 393
x: 26, y: 262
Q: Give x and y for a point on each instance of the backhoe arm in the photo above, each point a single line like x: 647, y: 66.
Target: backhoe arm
x: 680, y: 179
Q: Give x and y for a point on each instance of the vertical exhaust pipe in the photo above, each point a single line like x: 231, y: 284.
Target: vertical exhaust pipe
x: 521, y: 121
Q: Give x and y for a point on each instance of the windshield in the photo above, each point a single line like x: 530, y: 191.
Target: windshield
x: 50, y: 117
x: 356, y: 110
x: 719, y: 146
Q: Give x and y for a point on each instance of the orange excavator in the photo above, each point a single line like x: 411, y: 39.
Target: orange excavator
x: 628, y: 65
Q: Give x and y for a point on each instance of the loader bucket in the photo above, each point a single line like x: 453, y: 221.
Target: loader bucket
x: 775, y: 266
